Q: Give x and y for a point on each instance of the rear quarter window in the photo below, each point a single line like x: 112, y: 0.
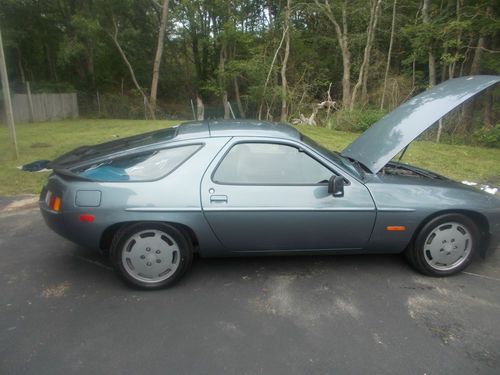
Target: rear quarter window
x: 144, y: 166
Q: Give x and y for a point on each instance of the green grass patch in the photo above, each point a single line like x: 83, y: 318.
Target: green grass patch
x: 51, y: 139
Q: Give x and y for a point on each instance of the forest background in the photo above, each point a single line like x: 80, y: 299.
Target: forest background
x: 331, y: 63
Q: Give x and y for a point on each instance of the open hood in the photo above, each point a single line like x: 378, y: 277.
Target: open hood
x: 388, y: 136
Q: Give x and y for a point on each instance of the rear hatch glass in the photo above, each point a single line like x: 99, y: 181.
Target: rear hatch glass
x: 84, y: 153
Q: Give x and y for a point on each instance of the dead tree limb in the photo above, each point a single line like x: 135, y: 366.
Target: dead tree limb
x: 285, y: 31
x: 370, y: 36
x: 114, y: 36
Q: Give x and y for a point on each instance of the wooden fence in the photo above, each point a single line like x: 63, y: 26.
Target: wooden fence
x: 43, y: 107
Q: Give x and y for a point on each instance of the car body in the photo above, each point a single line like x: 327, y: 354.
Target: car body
x: 231, y: 188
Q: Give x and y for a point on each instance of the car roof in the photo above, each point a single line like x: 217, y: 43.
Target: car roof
x: 236, y: 128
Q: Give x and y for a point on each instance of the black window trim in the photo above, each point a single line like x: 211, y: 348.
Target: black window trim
x: 299, y: 147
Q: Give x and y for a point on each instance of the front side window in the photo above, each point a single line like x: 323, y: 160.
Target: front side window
x: 270, y: 164
x: 144, y: 166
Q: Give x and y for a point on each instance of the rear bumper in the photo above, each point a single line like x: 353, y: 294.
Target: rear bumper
x: 67, y: 225
x: 54, y: 220
x: 67, y: 222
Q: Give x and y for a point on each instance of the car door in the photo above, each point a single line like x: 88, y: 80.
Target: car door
x: 265, y: 195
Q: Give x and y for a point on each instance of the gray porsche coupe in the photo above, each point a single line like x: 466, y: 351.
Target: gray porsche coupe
x: 231, y: 188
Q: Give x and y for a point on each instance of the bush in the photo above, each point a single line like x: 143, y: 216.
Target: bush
x: 357, y: 120
x: 489, y: 137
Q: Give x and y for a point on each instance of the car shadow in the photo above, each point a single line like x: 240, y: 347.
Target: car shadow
x: 226, y: 270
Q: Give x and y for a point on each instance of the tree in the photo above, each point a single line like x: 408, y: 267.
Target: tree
x: 159, y: 53
x: 343, y: 41
x: 276, y: 59
x: 432, y: 58
x: 389, y: 53
x: 114, y: 36
x: 370, y: 35
x: 284, y: 88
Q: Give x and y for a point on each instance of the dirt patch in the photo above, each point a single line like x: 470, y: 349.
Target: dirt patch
x: 445, y: 311
x: 40, y: 145
x: 283, y: 297
x: 18, y: 203
x: 56, y: 291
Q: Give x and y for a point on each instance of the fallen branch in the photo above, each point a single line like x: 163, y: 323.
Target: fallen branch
x: 311, y: 120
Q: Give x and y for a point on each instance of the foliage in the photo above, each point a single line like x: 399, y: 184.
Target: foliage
x: 357, y: 120
x: 60, y: 45
x: 489, y: 137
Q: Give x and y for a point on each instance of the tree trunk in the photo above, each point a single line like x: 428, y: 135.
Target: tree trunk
x: 444, y: 69
x: 51, y: 64
x: 440, y: 130
x: 20, y: 64
x: 488, y: 109
x: 157, y: 61
x: 238, y: 97
x: 269, y: 74
x: 222, y: 79
x: 89, y: 62
x: 343, y: 40
x: 114, y: 36
x: 364, y: 86
x: 478, y: 52
x: 432, y: 63
x: 370, y: 35
x: 432, y: 58
x: 391, y: 41
x: 200, y: 109
x: 284, y: 87
x: 9, y: 115
x: 458, y: 42
x: 469, y: 106
x: 346, y: 76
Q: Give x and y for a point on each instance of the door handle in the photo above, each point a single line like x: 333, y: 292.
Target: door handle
x: 218, y: 198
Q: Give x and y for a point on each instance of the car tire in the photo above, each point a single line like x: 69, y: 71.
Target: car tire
x: 150, y: 255
x: 444, y: 246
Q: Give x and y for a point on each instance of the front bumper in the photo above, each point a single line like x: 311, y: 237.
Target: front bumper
x: 492, y: 240
x: 493, y: 243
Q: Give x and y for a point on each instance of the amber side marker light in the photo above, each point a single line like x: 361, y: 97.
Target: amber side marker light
x: 395, y: 228
x: 87, y: 218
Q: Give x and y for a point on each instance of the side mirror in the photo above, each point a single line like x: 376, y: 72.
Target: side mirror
x: 336, y: 186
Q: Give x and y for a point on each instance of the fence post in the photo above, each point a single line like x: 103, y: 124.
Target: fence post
x: 98, y: 103
x: 30, y: 102
x: 192, y: 109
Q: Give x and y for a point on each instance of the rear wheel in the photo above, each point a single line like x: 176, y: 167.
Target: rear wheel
x: 444, y: 246
x: 151, y: 255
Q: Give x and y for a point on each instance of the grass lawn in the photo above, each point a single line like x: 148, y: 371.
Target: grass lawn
x: 50, y: 139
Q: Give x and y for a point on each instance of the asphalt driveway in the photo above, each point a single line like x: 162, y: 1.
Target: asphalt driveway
x: 63, y: 311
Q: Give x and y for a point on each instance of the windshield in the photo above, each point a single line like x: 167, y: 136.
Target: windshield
x: 331, y: 155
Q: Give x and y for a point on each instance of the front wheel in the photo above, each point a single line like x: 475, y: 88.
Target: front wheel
x: 444, y: 246
x: 151, y: 255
